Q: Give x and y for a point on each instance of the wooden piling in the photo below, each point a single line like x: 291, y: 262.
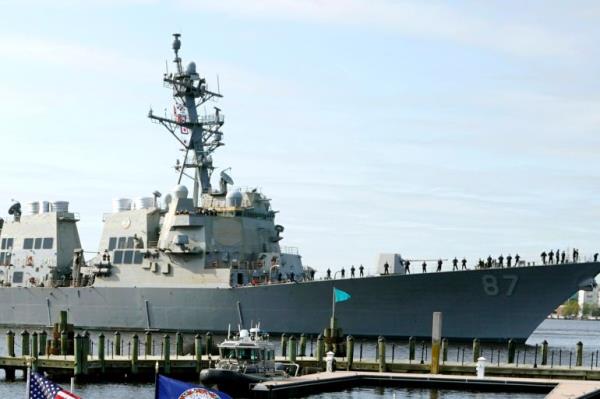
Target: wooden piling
x: 349, y: 352
x: 579, y: 354
x: 25, y: 343
x: 64, y: 343
x: 10, y: 343
x: 135, y: 354
x: 292, y: 349
x: 101, y: 353
x: 167, y: 354
x: 436, y: 342
x: 302, y: 345
x: 284, y: 341
x: 117, y: 343
x: 148, y: 344
x: 34, y: 350
x: 198, y: 352
x: 476, y: 350
x: 209, y: 343
x: 544, y: 353
x: 43, y: 342
x: 511, y: 351
x: 178, y: 344
x: 412, y: 342
x: 78, y: 356
x: 320, y: 350
x: 444, y: 350
x: 381, y: 353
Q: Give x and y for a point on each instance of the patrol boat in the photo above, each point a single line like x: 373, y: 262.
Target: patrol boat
x: 245, y: 360
x: 210, y: 258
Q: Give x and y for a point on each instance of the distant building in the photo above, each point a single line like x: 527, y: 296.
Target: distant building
x: 588, y: 298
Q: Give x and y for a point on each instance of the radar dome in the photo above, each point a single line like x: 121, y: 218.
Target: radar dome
x: 191, y: 68
x: 180, y: 191
x: 234, y: 199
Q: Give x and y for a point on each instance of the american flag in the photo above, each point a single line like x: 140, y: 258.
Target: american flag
x: 42, y: 388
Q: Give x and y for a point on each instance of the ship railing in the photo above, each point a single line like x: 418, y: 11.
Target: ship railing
x: 290, y: 250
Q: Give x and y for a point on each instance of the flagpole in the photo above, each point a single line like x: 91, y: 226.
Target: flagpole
x: 28, y: 385
x: 333, y: 305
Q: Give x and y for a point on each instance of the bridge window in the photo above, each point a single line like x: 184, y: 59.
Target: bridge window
x: 138, y: 257
x: 127, y: 257
x: 112, y: 243
x: 3, y: 245
x: 1, y: 258
x: 122, y: 242
x: 17, y: 277
x: 48, y: 243
x: 118, y: 257
x: 130, y: 243
x: 37, y: 243
x: 9, y: 243
x: 28, y: 243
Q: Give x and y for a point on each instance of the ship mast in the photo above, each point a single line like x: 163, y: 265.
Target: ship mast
x: 190, y: 92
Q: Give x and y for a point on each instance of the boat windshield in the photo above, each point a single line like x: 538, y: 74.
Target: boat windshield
x: 248, y: 354
x: 227, y: 353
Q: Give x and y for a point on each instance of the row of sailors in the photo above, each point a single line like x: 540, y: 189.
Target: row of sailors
x: 481, y: 264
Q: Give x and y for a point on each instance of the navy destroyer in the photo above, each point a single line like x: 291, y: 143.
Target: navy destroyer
x: 212, y: 257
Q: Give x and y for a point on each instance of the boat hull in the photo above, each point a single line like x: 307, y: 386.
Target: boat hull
x: 231, y: 382
x: 491, y: 304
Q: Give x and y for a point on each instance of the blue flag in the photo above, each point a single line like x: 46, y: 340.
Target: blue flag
x: 340, y: 296
x: 168, y: 388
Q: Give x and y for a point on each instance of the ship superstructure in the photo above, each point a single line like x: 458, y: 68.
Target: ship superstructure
x: 209, y: 258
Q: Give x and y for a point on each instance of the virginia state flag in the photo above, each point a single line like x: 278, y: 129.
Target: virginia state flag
x: 168, y: 388
x: 340, y: 296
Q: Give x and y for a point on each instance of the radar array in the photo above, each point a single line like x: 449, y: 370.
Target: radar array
x: 199, y: 136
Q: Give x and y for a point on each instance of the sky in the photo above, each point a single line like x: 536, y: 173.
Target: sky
x: 430, y: 129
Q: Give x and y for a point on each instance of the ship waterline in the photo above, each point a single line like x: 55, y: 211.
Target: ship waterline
x: 489, y: 304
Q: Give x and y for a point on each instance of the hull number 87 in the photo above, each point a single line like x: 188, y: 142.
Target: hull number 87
x: 503, y: 285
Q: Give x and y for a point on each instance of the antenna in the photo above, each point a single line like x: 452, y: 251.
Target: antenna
x: 218, y: 85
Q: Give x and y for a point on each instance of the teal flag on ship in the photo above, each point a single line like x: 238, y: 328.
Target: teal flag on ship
x: 340, y: 296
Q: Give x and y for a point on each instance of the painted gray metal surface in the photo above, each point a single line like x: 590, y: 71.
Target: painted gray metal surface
x: 395, y: 305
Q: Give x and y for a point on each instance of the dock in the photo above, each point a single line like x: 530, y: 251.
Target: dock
x: 329, y: 381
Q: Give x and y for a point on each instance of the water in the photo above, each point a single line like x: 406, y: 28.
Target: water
x: 562, y: 335
x: 417, y: 393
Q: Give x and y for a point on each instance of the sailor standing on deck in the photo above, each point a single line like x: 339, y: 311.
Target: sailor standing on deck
x: 328, y: 274
x: 550, y: 257
x: 454, y: 264
x: 361, y: 270
x: 563, y: 256
x: 352, y: 270
x: 508, y: 261
x: 489, y: 262
x: 424, y: 265
x: 517, y: 257
x: 464, y: 264
x: 407, y: 267
x: 386, y: 268
x: 596, y: 257
x: 543, y: 255
x: 343, y: 271
x: 439, y: 268
x: 501, y: 260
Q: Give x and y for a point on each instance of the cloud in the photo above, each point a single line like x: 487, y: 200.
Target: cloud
x: 420, y: 19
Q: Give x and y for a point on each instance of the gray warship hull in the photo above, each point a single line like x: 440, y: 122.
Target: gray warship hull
x: 489, y: 304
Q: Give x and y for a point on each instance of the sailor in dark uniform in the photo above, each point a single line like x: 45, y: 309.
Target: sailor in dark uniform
x: 386, y: 268
x: 343, y: 271
x: 464, y: 264
x: 424, y: 265
x: 489, y: 262
x: 454, y: 264
x: 501, y: 260
x: 508, y: 261
x: 543, y: 255
x: 439, y: 267
x: 407, y: 267
x: 352, y: 270
x: 517, y: 258
x: 361, y: 270
x: 596, y: 257
x: 328, y: 274
x: 550, y: 257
